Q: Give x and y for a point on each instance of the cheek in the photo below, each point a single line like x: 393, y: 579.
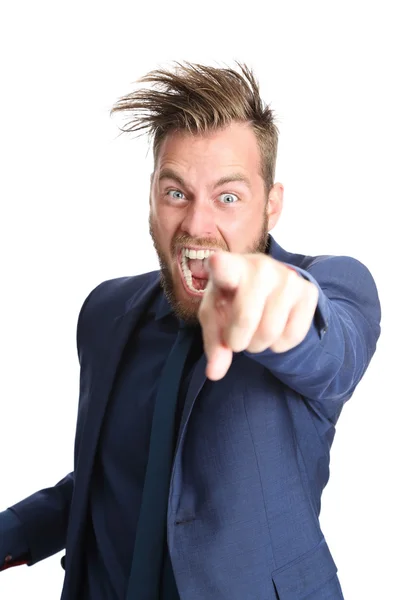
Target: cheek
x: 237, y: 226
x: 240, y: 232
x: 163, y: 227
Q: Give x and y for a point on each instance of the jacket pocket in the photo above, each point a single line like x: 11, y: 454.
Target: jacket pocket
x: 306, y: 574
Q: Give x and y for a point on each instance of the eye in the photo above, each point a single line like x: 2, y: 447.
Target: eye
x: 176, y: 197
x: 228, y: 198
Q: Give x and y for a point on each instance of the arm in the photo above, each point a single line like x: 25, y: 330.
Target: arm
x: 36, y: 526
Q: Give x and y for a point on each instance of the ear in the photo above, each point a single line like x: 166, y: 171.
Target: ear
x: 275, y: 204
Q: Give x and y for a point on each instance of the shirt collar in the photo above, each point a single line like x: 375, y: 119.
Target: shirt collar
x: 162, y: 307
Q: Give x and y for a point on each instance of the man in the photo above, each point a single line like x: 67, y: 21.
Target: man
x: 199, y: 473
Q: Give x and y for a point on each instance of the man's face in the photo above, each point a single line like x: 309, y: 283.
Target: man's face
x: 207, y: 194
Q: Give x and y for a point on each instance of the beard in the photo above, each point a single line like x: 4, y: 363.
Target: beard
x: 187, y: 309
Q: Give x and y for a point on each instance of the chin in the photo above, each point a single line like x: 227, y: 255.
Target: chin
x: 184, y: 304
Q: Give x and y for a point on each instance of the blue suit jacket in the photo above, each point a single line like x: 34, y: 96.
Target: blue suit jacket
x: 252, y: 455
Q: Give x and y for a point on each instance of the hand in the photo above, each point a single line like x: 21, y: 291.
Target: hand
x: 252, y: 302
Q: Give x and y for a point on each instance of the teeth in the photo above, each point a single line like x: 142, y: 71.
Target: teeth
x: 199, y: 254
x: 193, y: 254
x: 188, y: 275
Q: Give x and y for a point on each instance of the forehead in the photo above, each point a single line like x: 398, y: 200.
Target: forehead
x: 234, y: 146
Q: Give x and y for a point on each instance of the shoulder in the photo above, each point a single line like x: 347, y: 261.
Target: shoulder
x: 115, y: 294
x: 342, y: 279
x: 334, y: 273
x: 111, y: 299
x: 328, y: 269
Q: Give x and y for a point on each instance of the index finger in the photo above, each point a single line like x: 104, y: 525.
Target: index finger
x: 219, y: 356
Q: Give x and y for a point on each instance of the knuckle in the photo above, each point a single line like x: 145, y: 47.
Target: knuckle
x: 294, y: 335
x: 293, y: 340
x: 257, y: 346
x: 294, y: 280
x: 269, y: 331
x: 243, y: 321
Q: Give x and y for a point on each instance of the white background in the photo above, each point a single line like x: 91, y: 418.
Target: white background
x: 74, y: 201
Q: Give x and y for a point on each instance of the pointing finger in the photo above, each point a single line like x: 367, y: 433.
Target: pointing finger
x: 219, y: 357
x: 225, y: 269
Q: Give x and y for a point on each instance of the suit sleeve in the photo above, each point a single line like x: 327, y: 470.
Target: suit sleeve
x: 332, y: 359
x: 40, y: 523
x: 13, y: 545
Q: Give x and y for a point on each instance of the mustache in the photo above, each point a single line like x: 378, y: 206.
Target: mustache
x: 187, y: 240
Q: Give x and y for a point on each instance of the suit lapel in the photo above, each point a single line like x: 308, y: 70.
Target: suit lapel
x: 196, y: 384
x: 197, y: 381
x: 103, y: 379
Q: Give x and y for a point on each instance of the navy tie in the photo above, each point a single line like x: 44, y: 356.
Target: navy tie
x: 148, y: 554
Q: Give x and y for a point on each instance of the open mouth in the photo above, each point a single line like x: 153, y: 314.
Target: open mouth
x: 194, y: 273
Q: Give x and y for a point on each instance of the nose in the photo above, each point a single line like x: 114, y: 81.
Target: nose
x: 199, y: 220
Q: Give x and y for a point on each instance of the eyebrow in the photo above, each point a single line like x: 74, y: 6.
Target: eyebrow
x: 170, y: 174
